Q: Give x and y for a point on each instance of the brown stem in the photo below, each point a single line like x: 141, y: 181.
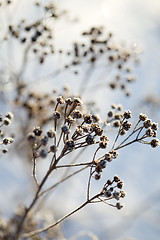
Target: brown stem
x: 19, y: 229
x: 30, y: 234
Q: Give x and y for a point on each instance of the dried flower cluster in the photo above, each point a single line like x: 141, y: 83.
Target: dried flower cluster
x: 98, y: 48
x: 56, y: 125
x: 5, y: 140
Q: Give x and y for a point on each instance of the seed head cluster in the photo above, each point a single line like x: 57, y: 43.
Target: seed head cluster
x: 4, y: 122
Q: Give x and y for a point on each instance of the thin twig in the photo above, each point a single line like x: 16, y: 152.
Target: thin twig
x: 62, y: 180
x: 91, y: 173
x: 74, y: 165
x: 33, y: 233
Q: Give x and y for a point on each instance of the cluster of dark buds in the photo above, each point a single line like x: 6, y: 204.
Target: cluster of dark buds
x: 5, y: 140
x: 74, y: 129
x: 143, y: 129
x: 37, y: 37
x: 113, y: 190
x: 99, y: 48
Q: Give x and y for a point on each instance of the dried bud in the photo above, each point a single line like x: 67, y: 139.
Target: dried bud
x: 154, y: 126
x: 31, y: 138
x: 142, y: 117
x: 43, y: 153
x: 108, y: 194
x: 60, y: 100
x: 77, y: 101
x: 122, y: 132
x: 122, y: 194
x: 119, y: 205
x: 88, y: 119
x: 108, y: 157
x: 56, y: 115
x: 51, y: 133
x: 120, y: 184
x: 147, y: 123
x: 9, y: 115
x: 116, y: 178
x: 69, y: 145
x: 7, y: 141
x: 116, y: 123
x: 77, y: 114
x: 126, y: 125
x: 53, y: 148
x: 44, y: 140
x: 65, y: 129
x: 97, y: 176
x: 90, y: 139
x: 116, y: 195
x: 149, y: 132
x: 69, y: 101
x: 109, y: 182
x: 6, y: 121
x: 127, y: 114
x: 155, y: 142
x: 110, y: 114
x: 37, y: 131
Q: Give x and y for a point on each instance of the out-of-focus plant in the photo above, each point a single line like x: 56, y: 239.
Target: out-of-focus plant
x: 55, y: 125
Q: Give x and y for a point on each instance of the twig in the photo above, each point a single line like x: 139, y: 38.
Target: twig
x: 74, y: 165
x: 91, y: 173
x: 33, y: 233
x: 62, y: 180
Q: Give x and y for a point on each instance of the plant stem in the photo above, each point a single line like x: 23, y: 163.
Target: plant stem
x: 30, y: 234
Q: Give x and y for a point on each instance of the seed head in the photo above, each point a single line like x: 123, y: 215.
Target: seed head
x: 110, y: 114
x: 69, y: 101
x: 155, y: 142
x: 126, y: 125
x: 7, y: 141
x: 97, y: 176
x: 56, y: 115
x: 9, y: 115
x: 60, y: 100
x: 149, y: 132
x: 43, y: 153
x: 31, y: 138
x: 37, y: 131
x: 65, y: 129
x: 77, y: 101
x: 120, y: 184
x: 147, y: 123
x: 109, y: 182
x: 53, y: 148
x: 122, y: 194
x: 127, y: 114
x: 6, y: 121
x: 4, y: 151
x: 44, y: 140
x: 154, y: 126
x: 51, y: 133
x: 122, y: 132
x: 107, y: 193
x: 142, y: 117
x: 108, y: 157
x: 116, y: 123
x: 119, y: 205
x: 116, y: 195
x: 90, y: 139
x: 116, y: 178
x: 77, y: 114
x: 88, y: 119
x: 69, y: 145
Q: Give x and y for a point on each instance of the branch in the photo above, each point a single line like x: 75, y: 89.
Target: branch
x: 33, y: 233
